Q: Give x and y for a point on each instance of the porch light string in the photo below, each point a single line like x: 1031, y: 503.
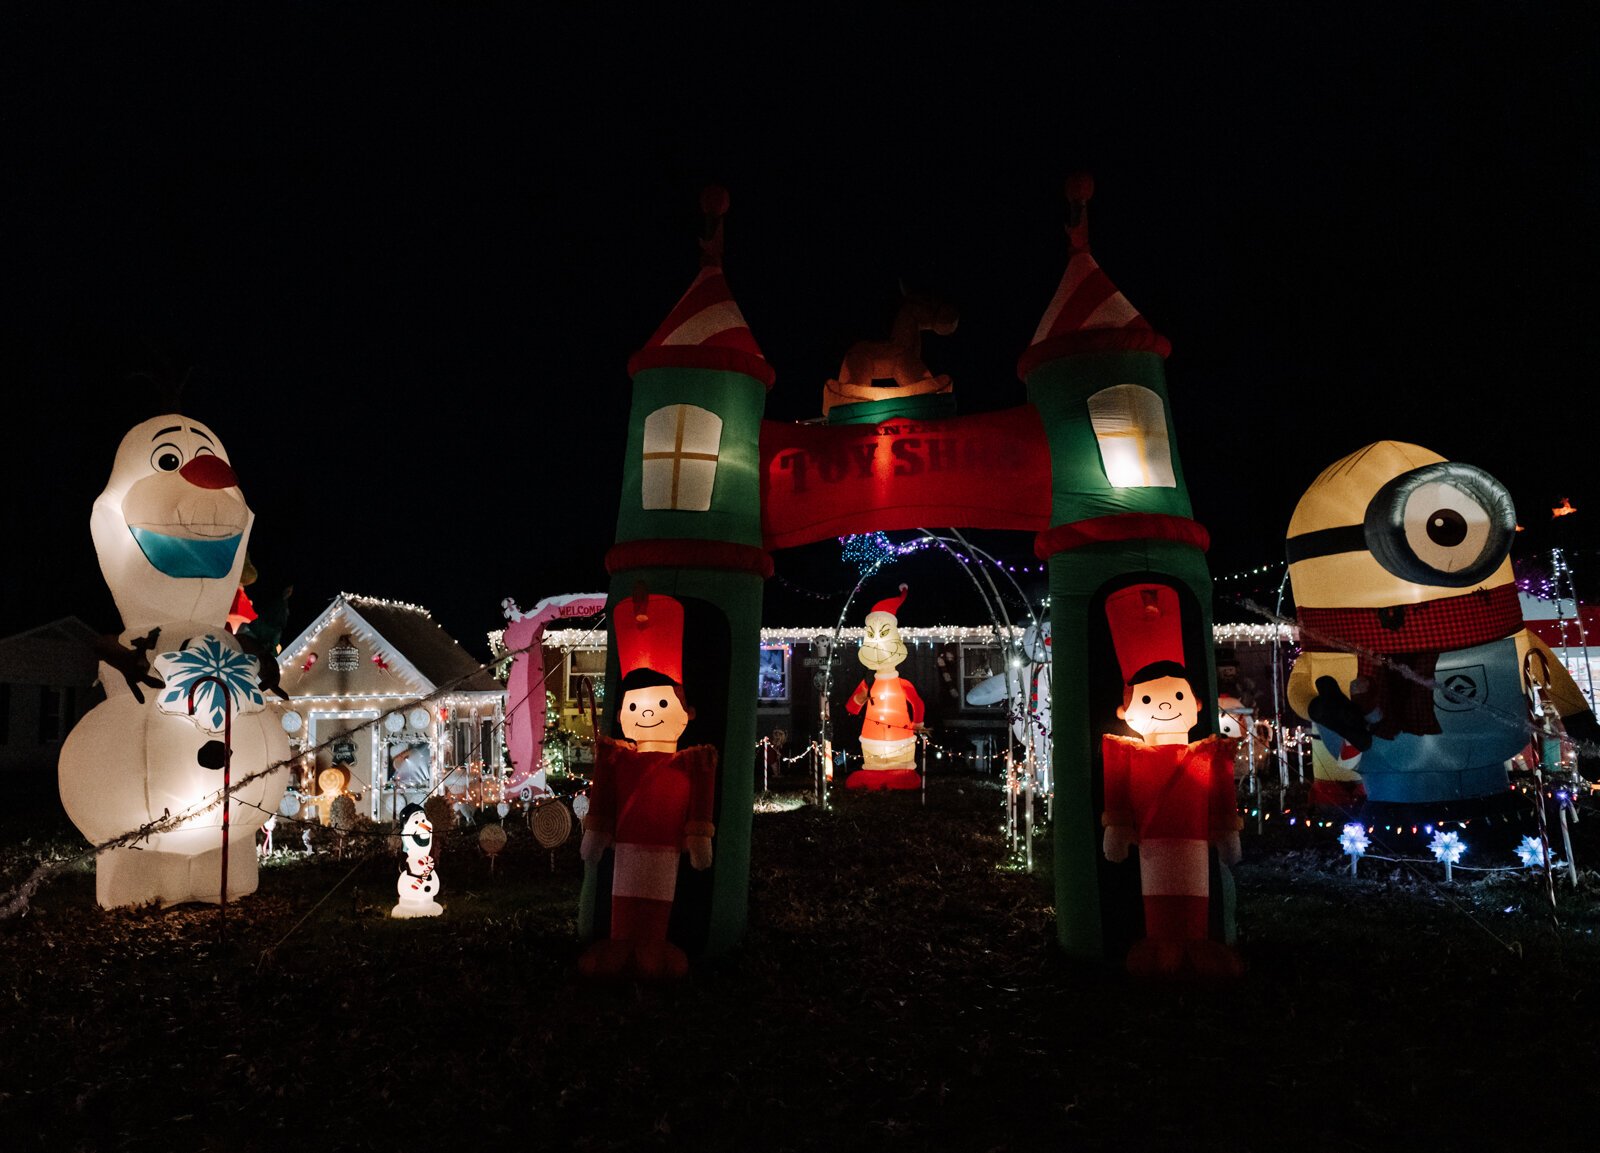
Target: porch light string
x: 16, y: 900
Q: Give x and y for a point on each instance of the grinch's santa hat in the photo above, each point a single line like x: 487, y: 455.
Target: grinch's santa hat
x: 705, y: 329
x: 1146, y: 627
x: 649, y: 630
x: 890, y: 606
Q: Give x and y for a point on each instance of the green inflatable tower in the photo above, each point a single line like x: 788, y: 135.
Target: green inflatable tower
x: 1120, y: 516
x: 689, y: 526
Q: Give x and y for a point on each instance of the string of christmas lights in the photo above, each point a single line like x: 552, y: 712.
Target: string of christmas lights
x: 1246, y: 574
x: 869, y: 552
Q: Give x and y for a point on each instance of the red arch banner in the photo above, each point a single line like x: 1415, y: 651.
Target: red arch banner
x: 987, y: 470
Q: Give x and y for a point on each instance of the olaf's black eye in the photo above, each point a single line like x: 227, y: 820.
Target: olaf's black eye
x: 167, y: 457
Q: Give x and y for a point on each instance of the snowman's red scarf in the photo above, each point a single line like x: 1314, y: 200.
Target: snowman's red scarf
x: 1412, y: 636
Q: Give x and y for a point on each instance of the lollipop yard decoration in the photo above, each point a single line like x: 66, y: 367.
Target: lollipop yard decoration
x: 170, y: 531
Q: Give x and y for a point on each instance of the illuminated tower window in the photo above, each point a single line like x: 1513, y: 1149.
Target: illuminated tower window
x: 1130, y: 424
x: 680, y: 457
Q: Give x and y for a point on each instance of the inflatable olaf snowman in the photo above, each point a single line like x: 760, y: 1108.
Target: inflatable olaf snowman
x: 418, y: 883
x: 170, y: 531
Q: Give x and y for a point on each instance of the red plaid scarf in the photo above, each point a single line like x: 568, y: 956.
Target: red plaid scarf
x: 1412, y: 636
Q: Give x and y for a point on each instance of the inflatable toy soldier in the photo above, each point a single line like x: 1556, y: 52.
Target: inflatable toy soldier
x: 650, y: 800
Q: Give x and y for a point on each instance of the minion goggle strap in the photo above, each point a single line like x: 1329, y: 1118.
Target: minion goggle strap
x: 1445, y: 524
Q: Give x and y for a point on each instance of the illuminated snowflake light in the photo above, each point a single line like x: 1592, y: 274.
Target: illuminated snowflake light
x: 1531, y: 852
x: 1447, y: 848
x: 221, y: 679
x: 871, y: 551
x: 866, y: 551
x: 1353, y: 840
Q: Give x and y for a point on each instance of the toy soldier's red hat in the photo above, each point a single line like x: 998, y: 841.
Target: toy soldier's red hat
x: 649, y: 630
x: 1145, y: 627
x: 891, y: 605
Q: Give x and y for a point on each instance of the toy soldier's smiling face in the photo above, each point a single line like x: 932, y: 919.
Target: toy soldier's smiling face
x: 653, y: 715
x: 1160, y: 709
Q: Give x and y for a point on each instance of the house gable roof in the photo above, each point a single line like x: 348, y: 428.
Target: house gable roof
x: 415, y: 651
x: 60, y: 652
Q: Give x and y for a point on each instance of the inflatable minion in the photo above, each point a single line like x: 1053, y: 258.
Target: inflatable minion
x: 1414, y: 652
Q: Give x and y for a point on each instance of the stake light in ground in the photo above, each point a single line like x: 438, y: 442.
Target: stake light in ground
x: 1531, y: 852
x: 1447, y: 849
x: 1354, y: 841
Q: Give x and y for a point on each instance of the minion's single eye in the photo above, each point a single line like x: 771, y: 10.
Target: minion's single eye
x: 1444, y: 524
x: 1146, y: 700
x: 166, y: 457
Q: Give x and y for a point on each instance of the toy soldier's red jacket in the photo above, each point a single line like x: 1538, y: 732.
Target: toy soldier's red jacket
x: 652, y: 798
x: 1174, y: 792
x: 893, y: 708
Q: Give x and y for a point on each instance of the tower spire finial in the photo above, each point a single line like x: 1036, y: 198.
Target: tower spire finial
x: 1080, y: 188
x: 714, y: 206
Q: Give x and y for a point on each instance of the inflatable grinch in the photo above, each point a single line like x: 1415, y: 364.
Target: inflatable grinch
x: 892, y: 708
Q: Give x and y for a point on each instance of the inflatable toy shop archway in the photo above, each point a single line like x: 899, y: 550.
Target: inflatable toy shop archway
x: 1088, y: 465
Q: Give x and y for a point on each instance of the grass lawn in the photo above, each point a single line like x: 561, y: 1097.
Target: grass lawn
x: 899, y: 987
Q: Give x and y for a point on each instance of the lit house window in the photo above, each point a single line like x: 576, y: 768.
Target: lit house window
x: 1130, y: 425
x: 980, y: 665
x: 680, y: 457
x: 774, y: 675
x: 581, y: 663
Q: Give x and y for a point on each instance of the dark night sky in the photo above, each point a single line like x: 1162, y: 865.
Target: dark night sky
x: 402, y: 253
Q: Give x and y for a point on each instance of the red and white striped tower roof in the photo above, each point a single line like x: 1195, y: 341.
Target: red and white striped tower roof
x: 1088, y: 313
x: 705, y: 329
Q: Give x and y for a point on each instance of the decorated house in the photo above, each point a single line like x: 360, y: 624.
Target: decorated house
x: 47, y: 681
x: 385, y: 706
x: 1573, y: 633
